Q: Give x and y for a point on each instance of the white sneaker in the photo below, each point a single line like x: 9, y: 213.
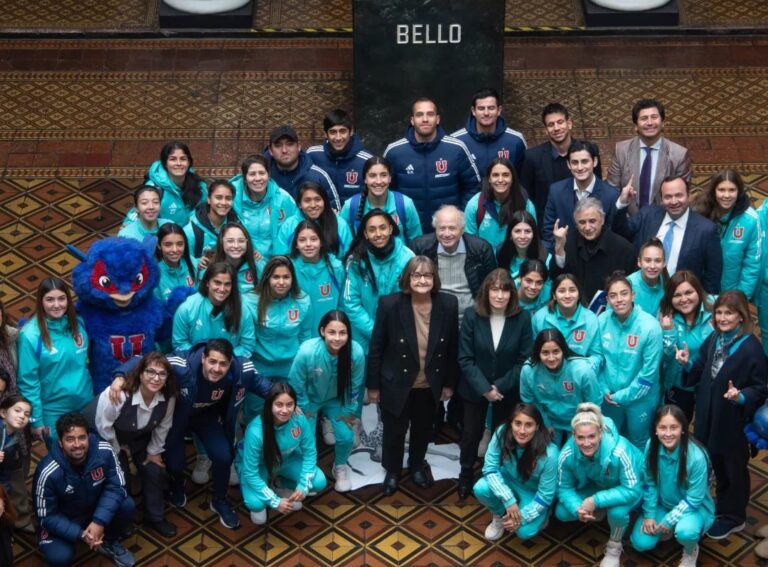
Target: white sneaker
x: 690, y: 560
x: 259, y: 518
x: 612, y: 557
x: 341, y: 474
x: 326, y: 427
x: 484, y: 442
x: 495, y: 529
x: 234, y: 478
x: 201, y: 474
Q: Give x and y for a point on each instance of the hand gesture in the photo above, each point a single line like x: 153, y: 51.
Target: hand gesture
x: 257, y: 256
x: 586, y: 511
x: 628, y: 192
x: 285, y: 506
x: 732, y: 394
x: 609, y: 400
x: 493, y: 395
x: 682, y: 355
x: 513, y: 518
x: 446, y: 394
x: 559, y: 232
x: 114, y: 390
x: 666, y: 323
x: 649, y: 526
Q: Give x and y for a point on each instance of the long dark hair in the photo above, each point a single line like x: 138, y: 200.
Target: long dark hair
x: 507, y: 250
x: 133, y: 378
x: 173, y: 228
x: 307, y: 224
x: 5, y: 320
x: 358, y: 250
x: 344, y: 358
x: 536, y: 447
x: 556, y: 284
x: 499, y: 277
x: 270, y: 451
x: 265, y: 290
x: 653, y: 450
x: 708, y: 206
x: 232, y: 308
x: 550, y: 335
x: 517, y: 196
x: 375, y: 160
x: 191, y: 189
x: 327, y: 220
x: 46, y: 286
x: 220, y: 256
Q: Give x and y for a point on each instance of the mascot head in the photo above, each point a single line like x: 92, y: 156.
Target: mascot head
x: 117, y: 273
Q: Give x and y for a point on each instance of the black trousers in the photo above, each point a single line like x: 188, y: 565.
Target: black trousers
x: 419, y: 413
x: 153, y: 480
x: 732, y: 477
x: 474, y: 426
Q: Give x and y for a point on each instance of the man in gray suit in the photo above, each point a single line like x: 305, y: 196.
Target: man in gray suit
x: 649, y: 157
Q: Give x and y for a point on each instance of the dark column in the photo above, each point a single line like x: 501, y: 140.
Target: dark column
x: 404, y: 49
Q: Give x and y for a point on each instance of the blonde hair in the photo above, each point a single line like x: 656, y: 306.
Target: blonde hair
x: 588, y: 413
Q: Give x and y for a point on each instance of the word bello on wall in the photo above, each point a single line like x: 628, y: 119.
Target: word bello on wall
x: 426, y: 34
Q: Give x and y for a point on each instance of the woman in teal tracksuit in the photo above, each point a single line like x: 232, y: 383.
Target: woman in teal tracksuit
x: 320, y: 274
x: 216, y: 311
x: 676, y: 495
x: 374, y: 264
x: 598, y: 469
x: 283, y: 317
x: 686, y: 320
x: 500, y: 196
x: 173, y: 261
x: 534, y: 285
x: 146, y: 203
x: 557, y: 381
x: 327, y: 375
x: 648, y: 282
x: 376, y: 194
x: 261, y: 205
x: 632, y: 346
x: 577, y: 324
x: 182, y: 189
x: 234, y: 246
x: 521, y: 243
x: 53, y: 359
x: 519, y: 475
x: 314, y: 205
x: 727, y: 204
x: 279, y: 447
x: 203, y: 228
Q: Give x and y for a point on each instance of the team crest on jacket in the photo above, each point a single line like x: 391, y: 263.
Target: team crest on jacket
x: 97, y: 474
x: 441, y: 165
x: 280, y: 214
x: 293, y: 314
x: 118, y: 344
x: 503, y: 153
x: 325, y: 290
x: 190, y: 281
x: 296, y: 432
x: 578, y: 335
x: 631, y: 341
x: 216, y: 395
x: 568, y: 386
x: 351, y: 177
x: 79, y: 340
x: 249, y: 276
x: 738, y: 232
x: 240, y: 395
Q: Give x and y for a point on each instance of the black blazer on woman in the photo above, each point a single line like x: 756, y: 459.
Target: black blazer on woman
x: 720, y: 422
x: 393, y: 359
x: 482, y: 366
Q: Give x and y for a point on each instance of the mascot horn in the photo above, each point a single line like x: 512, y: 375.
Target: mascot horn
x: 114, y: 285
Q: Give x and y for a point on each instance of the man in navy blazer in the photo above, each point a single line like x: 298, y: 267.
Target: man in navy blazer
x: 695, y: 243
x: 582, y: 159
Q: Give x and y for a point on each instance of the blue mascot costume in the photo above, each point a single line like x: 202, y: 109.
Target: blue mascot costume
x: 114, y: 286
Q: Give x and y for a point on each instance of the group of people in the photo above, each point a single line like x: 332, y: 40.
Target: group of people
x: 572, y: 326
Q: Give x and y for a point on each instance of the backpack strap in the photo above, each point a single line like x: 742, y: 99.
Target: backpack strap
x: 199, y: 239
x: 480, y: 212
x: 400, y: 208
x: 354, y: 204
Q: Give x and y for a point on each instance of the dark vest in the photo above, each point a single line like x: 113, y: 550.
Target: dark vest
x: 126, y: 431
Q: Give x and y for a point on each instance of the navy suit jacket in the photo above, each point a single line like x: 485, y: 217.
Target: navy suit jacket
x: 561, y: 203
x: 700, y: 250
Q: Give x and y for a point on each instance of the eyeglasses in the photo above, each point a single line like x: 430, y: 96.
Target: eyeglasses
x: 418, y: 275
x: 153, y: 374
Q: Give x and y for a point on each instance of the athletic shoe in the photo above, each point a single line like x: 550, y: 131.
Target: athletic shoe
x: 484, y: 442
x: 612, y: 557
x: 495, y: 529
x: 341, y: 474
x: 762, y: 531
x: 227, y: 515
x: 761, y: 549
x: 201, y: 474
x: 721, y: 529
x: 259, y: 518
x: 117, y: 553
x: 690, y: 560
x: 326, y: 427
x: 177, y: 498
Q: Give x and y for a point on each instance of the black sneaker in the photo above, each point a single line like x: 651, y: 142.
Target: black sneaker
x: 721, y: 529
x: 165, y: 529
x: 227, y: 515
x: 177, y: 498
x: 120, y: 556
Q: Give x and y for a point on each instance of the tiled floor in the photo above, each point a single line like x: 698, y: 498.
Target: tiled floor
x: 80, y: 120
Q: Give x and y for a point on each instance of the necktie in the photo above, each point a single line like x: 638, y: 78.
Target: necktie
x: 669, y: 240
x: 645, y: 178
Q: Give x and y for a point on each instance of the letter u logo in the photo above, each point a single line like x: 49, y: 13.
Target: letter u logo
x: 296, y: 432
x: 352, y: 177
x: 441, y: 165
x: 325, y: 290
x: 738, y: 232
x: 503, y: 154
x: 578, y: 335
x: 79, y: 340
x: 568, y: 386
x: 249, y: 276
x: 293, y: 314
x: 631, y: 341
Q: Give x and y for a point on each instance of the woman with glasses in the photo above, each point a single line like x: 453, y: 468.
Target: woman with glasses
x: 136, y: 422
